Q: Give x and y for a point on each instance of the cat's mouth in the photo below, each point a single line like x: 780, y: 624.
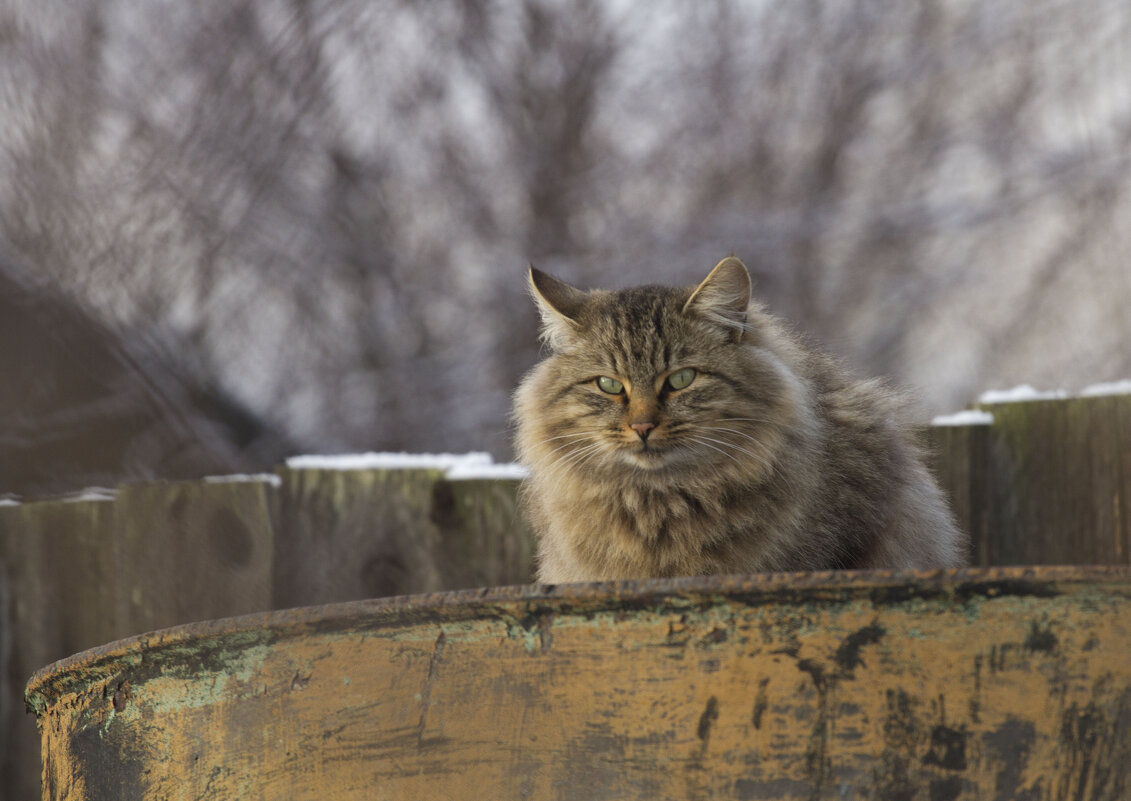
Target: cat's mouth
x: 649, y: 455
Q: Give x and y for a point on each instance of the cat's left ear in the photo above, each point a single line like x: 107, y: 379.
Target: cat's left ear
x: 723, y: 297
x: 558, y: 304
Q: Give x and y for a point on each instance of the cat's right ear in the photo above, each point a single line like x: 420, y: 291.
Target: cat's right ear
x: 723, y: 296
x: 558, y: 304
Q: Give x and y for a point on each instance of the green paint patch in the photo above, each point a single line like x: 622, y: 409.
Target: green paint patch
x: 229, y: 674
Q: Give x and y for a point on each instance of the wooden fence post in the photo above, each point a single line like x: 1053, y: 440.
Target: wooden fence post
x: 1061, y: 491
x: 484, y: 538
x: 193, y: 550
x: 1046, y: 482
x: 958, y: 460
x: 57, y: 557
x: 347, y: 534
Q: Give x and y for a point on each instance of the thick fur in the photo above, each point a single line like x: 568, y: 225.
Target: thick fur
x: 771, y: 459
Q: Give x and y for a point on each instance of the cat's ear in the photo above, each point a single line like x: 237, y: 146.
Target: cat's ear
x: 558, y: 304
x: 723, y: 297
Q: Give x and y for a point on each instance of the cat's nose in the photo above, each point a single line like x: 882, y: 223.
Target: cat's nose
x: 642, y: 429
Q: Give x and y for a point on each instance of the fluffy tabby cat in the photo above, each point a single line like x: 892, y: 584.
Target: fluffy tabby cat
x: 685, y: 431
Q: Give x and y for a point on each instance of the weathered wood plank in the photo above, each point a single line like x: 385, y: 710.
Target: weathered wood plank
x: 58, y: 560
x: 970, y: 685
x: 193, y: 550
x: 958, y: 459
x: 1059, y: 486
x: 353, y: 534
x: 484, y: 540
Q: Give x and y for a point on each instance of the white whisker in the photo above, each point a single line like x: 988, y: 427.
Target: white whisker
x: 573, y: 434
x: 573, y: 458
x: 762, y: 460
x: 735, y: 431
x: 586, y: 459
x: 701, y: 440
x: 574, y: 441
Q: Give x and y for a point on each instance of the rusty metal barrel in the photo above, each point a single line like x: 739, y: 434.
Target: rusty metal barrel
x: 1009, y: 683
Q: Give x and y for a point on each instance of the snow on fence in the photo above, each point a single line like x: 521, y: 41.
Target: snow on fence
x: 1034, y: 479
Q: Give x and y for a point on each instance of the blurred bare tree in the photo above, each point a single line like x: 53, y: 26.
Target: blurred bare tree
x: 304, y: 225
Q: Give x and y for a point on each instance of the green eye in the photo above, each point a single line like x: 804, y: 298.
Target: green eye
x: 681, y: 378
x: 610, y: 385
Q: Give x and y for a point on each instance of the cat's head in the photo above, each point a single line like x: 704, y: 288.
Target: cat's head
x: 656, y: 379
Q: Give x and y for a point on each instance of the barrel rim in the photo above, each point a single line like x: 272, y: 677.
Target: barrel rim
x: 523, y: 603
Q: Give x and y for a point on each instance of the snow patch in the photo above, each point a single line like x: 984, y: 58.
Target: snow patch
x: 240, y: 478
x: 492, y: 471
x: 1022, y: 392
x: 967, y: 417
x: 90, y: 494
x: 388, y: 461
x: 455, y: 466
x: 1112, y: 388
x: 9, y: 502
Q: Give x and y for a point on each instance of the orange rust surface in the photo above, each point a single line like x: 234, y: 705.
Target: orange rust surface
x: 978, y: 684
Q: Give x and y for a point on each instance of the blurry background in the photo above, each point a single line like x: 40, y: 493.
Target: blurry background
x: 232, y: 230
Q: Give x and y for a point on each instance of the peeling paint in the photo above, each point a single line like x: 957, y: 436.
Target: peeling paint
x: 955, y: 686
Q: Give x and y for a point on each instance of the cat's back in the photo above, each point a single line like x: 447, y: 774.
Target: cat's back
x: 878, y: 492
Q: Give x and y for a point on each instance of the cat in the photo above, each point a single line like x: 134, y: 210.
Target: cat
x: 675, y: 432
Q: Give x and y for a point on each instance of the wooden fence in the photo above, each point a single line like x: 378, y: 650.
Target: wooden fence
x: 1046, y: 482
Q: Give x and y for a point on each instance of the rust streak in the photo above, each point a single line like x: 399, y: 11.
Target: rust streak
x: 708, y: 718
x: 761, y: 702
x: 426, y: 692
